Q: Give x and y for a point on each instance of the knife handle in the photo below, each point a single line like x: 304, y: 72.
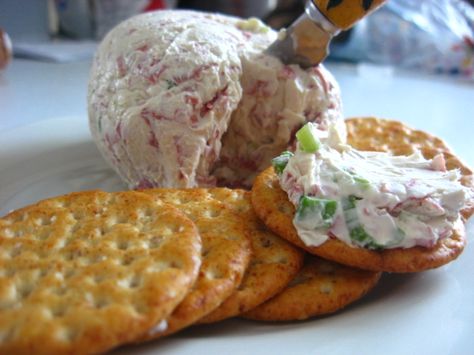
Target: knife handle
x: 345, y: 13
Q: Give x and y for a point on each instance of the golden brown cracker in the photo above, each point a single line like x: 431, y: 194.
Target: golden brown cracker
x: 273, y: 265
x: 88, y: 271
x: 226, y: 255
x: 375, y: 134
x: 381, y: 135
x: 321, y: 287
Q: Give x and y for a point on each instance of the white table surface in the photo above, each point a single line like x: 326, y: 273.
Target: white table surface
x: 32, y: 91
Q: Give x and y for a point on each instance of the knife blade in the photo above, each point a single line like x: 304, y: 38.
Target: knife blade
x: 306, y: 41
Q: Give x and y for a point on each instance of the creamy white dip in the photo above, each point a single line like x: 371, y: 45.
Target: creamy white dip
x: 371, y: 199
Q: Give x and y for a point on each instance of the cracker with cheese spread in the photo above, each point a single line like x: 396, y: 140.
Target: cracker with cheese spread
x: 369, y: 210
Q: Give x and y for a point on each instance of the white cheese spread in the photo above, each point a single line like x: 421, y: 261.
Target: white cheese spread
x: 371, y: 199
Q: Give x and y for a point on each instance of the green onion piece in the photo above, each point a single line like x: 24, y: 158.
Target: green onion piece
x: 279, y: 163
x: 321, y: 211
x: 363, y: 239
x: 357, y: 233
x: 330, y: 208
x: 308, y: 141
x: 349, y: 202
x: 361, y: 181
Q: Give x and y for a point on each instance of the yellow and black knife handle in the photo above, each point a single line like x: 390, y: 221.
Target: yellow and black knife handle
x: 345, y: 13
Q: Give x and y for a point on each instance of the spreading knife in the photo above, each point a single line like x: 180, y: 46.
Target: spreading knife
x: 306, y: 41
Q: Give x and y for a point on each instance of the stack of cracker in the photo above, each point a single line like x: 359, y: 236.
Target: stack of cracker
x: 91, y: 271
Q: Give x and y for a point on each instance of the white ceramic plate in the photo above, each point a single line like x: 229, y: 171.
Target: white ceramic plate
x: 425, y: 313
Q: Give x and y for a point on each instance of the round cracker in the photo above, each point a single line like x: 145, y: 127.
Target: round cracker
x: 226, y: 253
x: 321, y: 287
x: 274, y: 261
x: 88, y: 271
x: 272, y: 205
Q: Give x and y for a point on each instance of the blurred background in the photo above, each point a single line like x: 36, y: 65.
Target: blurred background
x: 435, y: 36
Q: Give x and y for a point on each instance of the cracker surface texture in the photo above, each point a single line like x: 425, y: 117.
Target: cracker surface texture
x: 273, y: 265
x: 86, y: 272
x: 321, y: 287
x: 226, y: 254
